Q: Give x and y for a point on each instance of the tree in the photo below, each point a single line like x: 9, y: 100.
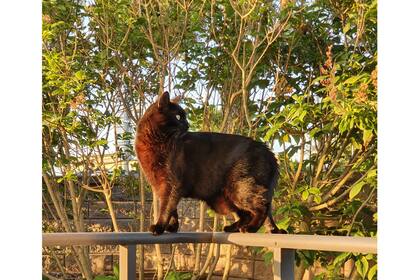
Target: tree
x: 299, y: 75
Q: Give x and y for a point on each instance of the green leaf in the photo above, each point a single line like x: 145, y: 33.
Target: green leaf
x: 365, y: 266
x: 369, y: 257
x: 171, y: 276
x: 356, y: 189
x: 268, y: 257
x: 283, y: 223
x: 101, y: 142
x: 371, y: 173
x: 372, y: 271
x: 359, y: 268
x: 104, y: 277
x: 116, y: 172
x: 352, y: 79
x: 305, y: 195
x: 362, y: 266
x: 302, y: 115
x: 319, y: 276
x: 367, y: 136
x: 272, y: 131
x: 185, y: 276
x: 314, y: 131
x: 116, y: 271
x: 210, y: 213
x: 346, y: 27
x: 69, y: 176
x: 314, y: 190
x: 341, y: 258
x: 80, y: 75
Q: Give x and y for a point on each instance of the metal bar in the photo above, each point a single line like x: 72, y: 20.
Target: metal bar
x: 127, y: 262
x: 277, y: 264
x: 283, y: 264
x: 114, y: 238
x: 288, y: 241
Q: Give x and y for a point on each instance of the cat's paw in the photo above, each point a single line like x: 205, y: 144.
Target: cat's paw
x: 232, y: 228
x: 157, y: 229
x: 172, y: 227
x: 278, y: 231
x: 248, y: 229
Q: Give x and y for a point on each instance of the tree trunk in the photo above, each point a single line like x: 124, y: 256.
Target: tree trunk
x: 107, y: 193
x: 81, y: 256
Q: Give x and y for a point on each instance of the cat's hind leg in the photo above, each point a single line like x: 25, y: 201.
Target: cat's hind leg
x: 258, y: 217
x: 252, y: 198
x: 173, y: 224
x: 244, y: 218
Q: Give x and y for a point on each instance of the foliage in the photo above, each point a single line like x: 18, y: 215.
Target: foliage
x: 115, y: 276
x: 299, y: 75
x: 175, y: 275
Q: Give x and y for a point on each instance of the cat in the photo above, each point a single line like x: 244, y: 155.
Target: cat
x: 231, y: 173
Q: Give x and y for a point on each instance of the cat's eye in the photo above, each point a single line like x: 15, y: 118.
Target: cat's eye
x: 178, y: 117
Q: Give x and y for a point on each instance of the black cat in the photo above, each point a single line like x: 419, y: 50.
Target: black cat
x: 229, y: 172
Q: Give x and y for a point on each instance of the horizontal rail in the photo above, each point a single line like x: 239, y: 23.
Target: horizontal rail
x: 287, y: 241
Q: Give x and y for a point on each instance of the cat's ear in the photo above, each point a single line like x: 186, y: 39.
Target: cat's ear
x: 163, y: 100
x: 177, y: 99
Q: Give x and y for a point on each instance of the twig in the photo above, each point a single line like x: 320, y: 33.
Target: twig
x: 358, y: 210
x: 341, y: 196
x: 215, y: 260
x: 299, y: 169
x: 49, y: 276
x: 171, y: 261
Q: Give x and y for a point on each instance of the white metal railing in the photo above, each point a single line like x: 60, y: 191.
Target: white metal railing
x: 283, y: 245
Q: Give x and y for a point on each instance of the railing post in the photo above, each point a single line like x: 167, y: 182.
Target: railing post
x: 283, y: 264
x: 127, y: 262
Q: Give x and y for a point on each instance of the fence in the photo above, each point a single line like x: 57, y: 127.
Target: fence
x: 283, y: 245
x: 246, y: 263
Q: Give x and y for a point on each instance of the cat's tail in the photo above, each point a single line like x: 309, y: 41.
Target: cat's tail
x: 270, y: 224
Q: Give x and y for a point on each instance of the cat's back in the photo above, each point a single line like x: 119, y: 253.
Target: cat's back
x: 212, y: 158
x: 222, y: 149
x: 215, y: 145
x: 215, y: 138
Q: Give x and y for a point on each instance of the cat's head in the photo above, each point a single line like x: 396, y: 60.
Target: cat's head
x: 167, y: 115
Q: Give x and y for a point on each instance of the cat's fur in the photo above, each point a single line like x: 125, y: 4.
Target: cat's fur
x: 229, y: 172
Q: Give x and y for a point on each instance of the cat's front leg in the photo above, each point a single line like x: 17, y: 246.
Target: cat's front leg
x: 168, y: 204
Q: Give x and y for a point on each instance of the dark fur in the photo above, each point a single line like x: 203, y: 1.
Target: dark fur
x: 229, y: 172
